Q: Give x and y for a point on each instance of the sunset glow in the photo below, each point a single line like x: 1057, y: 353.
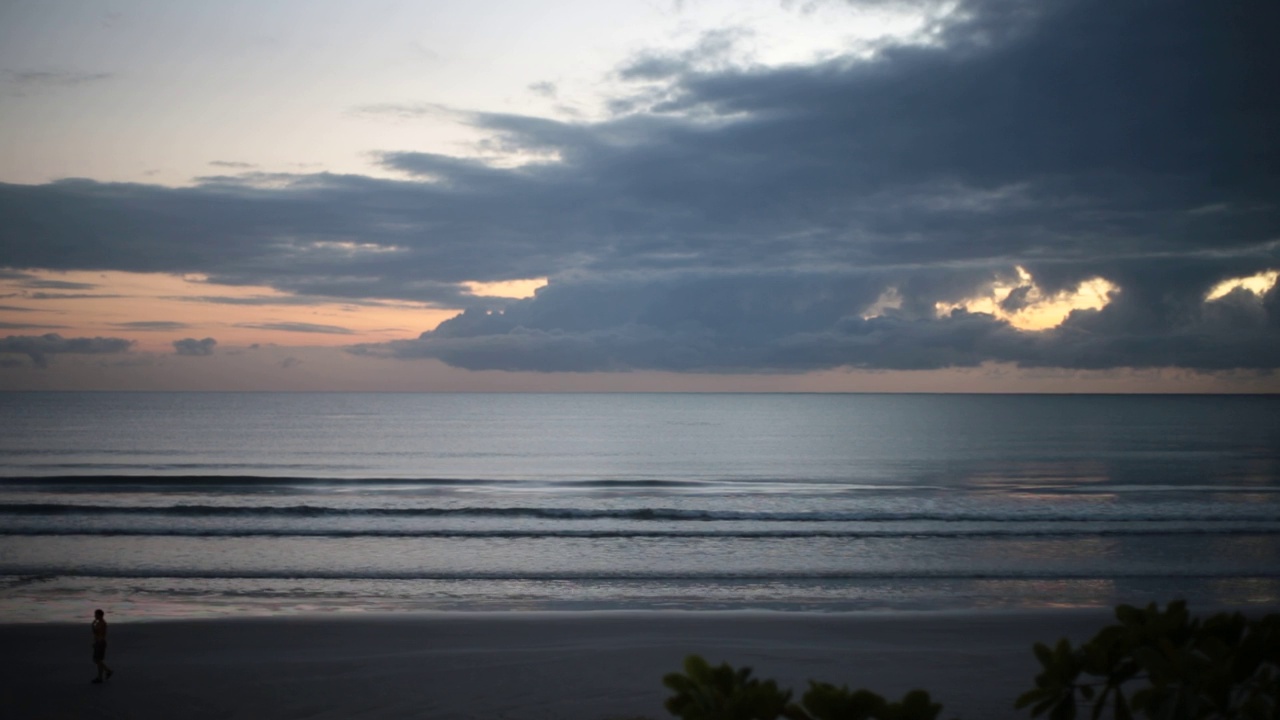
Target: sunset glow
x: 1258, y: 284
x: 1034, y: 310
x: 720, y: 194
x: 158, y: 309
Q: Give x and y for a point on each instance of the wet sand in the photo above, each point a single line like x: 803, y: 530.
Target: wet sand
x: 567, y: 666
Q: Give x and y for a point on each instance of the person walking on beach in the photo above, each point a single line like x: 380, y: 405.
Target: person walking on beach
x: 100, y: 647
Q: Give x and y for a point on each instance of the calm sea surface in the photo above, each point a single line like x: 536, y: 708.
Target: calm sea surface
x: 194, y: 504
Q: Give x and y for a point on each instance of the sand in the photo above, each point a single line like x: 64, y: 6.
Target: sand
x: 570, y: 666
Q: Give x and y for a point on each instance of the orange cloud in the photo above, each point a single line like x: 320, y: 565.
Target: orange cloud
x: 157, y: 309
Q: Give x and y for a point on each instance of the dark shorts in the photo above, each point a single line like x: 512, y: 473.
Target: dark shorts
x: 99, y: 651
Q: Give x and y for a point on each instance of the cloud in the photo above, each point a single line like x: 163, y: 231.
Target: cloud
x: 362, y: 291
x: 50, y: 79
x: 311, y: 300
x: 545, y: 89
x: 194, y: 347
x: 41, y: 348
x: 798, y: 323
x: 733, y: 217
x: 253, y: 301
x: 29, y: 326
x: 232, y: 164
x: 713, y: 51
x: 58, y: 285
x: 69, y: 296
x: 300, y: 327
x: 150, y: 325
x: 406, y: 111
x: 15, y: 308
x: 61, y: 79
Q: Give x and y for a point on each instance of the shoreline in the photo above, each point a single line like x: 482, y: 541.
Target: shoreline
x: 41, y: 599
x: 568, y: 665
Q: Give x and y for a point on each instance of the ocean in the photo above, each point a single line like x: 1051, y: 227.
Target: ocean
x: 177, y: 505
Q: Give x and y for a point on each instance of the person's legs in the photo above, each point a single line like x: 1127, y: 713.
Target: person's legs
x: 99, y: 653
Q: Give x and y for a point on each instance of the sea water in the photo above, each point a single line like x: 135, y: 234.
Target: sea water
x: 196, y: 504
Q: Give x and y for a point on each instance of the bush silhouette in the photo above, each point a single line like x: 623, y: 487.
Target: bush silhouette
x: 1173, y: 667
x: 704, y: 692
x: 828, y: 702
x: 722, y: 693
x: 1222, y: 667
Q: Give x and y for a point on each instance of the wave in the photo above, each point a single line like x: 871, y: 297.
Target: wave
x: 1273, y: 529
x: 636, y: 514
x: 171, y: 476
x: 239, y: 482
x: 181, y: 481
x: 30, y: 574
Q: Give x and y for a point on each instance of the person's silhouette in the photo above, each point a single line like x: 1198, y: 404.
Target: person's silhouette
x: 100, y: 647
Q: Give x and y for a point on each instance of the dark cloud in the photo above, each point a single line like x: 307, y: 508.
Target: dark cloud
x: 29, y: 326
x: 459, y: 294
x: 15, y: 308
x: 545, y: 89
x: 653, y: 67
x: 748, y: 218
x: 711, y: 52
x: 796, y: 323
x: 232, y: 164
x: 405, y: 111
x: 46, y: 79
x: 299, y: 327
x: 42, y: 348
x: 253, y: 301
x: 58, y: 285
x: 68, y: 296
x: 194, y: 347
x: 151, y: 325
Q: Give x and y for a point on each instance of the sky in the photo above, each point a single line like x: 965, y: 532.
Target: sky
x: 647, y: 195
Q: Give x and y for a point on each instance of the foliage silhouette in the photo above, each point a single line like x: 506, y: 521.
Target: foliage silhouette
x: 1184, y: 668
x: 1222, y: 667
x: 704, y: 692
x: 828, y: 702
x: 722, y: 693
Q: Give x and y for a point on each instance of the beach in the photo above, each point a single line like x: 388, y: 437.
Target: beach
x: 567, y: 666
x: 526, y: 557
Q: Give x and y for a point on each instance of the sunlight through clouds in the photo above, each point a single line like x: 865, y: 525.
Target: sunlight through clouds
x: 707, y: 187
x: 524, y: 288
x: 157, y: 309
x: 1257, y: 284
x: 1026, y: 307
